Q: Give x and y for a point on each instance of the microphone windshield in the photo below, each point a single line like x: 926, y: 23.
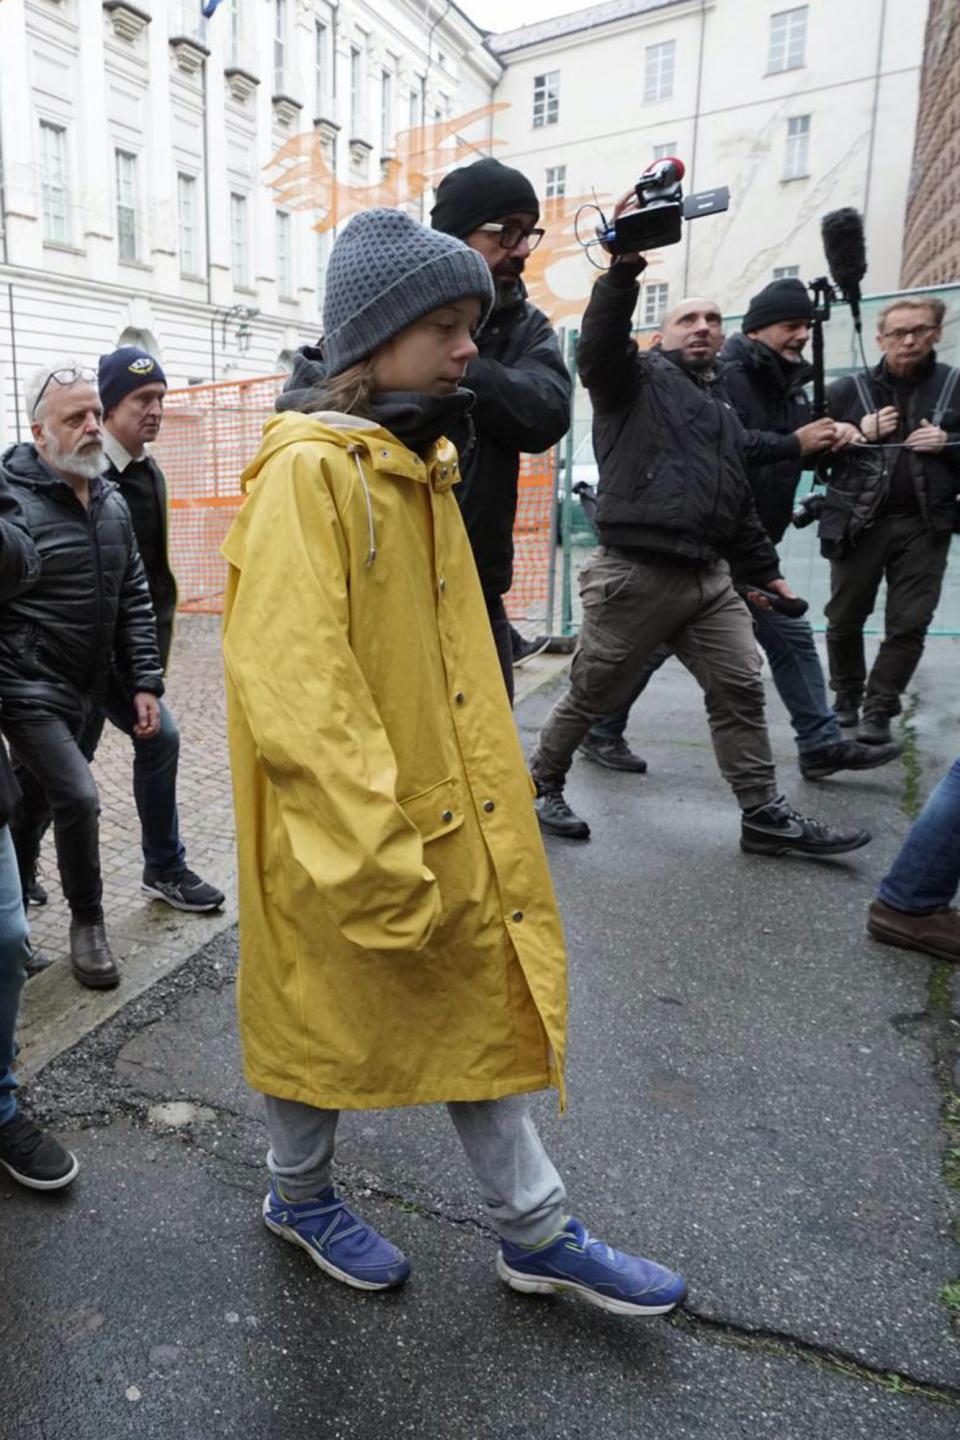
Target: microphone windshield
x: 845, y: 247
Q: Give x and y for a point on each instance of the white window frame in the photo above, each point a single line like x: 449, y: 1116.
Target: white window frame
x: 128, y: 218
x: 555, y: 184
x: 796, y: 160
x: 387, y: 137
x: 656, y: 297
x: 279, y: 45
x: 667, y: 149
x: 415, y: 104
x: 788, y: 40
x: 546, y: 99
x: 53, y: 168
x: 321, y: 67
x: 234, y: 32
x: 356, y: 91
x: 188, y: 217
x: 283, y: 244
x: 786, y: 272
x: 239, y: 258
x: 322, y: 260
x: 659, y: 69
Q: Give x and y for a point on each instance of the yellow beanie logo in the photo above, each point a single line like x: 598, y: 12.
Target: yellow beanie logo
x: 142, y: 366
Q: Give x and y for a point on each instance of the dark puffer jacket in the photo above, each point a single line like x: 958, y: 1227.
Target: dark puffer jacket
x: 768, y: 395
x: 88, y: 615
x: 669, y: 447
x: 523, y: 407
x: 19, y: 568
x: 936, y: 477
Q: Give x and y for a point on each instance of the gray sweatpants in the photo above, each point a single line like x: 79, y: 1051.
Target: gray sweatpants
x: 630, y: 609
x: 521, y: 1191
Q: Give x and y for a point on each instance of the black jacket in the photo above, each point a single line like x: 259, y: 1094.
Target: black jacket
x: 936, y: 476
x: 669, y: 447
x: 19, y: 569
x: 88, y: 615
x: 142, y: 485
x: 523, y: 406
x: 768, y: 395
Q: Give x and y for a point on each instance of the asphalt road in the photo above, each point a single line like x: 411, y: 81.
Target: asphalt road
x: 755, y: 1097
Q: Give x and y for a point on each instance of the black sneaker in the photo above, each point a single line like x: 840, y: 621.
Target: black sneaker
x: 874, y: 728
x: 613, y: 752
x: 778, y: 829
x: 525, y: 650
x: 847, y: 710
x: 847, y: 755
x: 183, y: 890
x: 33, y: 891
x: 34, y: 1157
x: 556, y: 817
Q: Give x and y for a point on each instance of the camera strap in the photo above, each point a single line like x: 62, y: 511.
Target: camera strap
x: 950, y: 381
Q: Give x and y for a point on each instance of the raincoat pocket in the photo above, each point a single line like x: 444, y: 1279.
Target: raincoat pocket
x: 436, y: 811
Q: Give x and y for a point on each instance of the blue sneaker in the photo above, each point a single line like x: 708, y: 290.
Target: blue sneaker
x: 342, y: 1244
x: 626, y: 1284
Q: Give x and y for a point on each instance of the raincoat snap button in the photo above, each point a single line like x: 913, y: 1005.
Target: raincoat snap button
x: 385, y: 453
x: 447, y: 816
x: 488, y: 806
x: 518, y: 916
x: 442, y: 583
x: 459, y: 697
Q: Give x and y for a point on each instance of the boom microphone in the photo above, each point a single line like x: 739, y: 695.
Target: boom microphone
x: 846, y: 252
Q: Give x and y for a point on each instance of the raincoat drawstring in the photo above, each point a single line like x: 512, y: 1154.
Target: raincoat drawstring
x: 356, y: 451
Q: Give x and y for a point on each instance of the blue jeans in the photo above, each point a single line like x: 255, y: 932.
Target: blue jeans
x: 13, y: 950
x: 154, y: 782
x: 926, y: 873
x: 797, y: 674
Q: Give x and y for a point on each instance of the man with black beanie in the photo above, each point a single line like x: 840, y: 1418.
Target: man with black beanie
x: 521, y: 384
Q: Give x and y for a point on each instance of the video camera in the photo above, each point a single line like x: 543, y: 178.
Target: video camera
x: 663, y: 208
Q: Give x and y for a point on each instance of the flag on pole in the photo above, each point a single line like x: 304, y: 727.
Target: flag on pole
x: 208, y: 8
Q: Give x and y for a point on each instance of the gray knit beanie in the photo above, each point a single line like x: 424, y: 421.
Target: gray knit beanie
x: 386, y: 271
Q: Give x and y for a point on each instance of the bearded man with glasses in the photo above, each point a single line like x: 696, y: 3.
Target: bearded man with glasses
x: 909, y: 406
x: 521, y: 384
x: 86, y: 620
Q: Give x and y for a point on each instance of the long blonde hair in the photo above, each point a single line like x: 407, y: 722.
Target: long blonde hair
x: 350, y: 392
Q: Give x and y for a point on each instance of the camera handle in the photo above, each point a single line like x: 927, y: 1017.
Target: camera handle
x: 824, y: 296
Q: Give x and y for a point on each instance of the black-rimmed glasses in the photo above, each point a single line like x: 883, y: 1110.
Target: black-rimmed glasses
x: 511, y: 235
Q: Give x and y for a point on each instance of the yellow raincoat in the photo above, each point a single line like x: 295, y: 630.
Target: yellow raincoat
x: 399, y: 938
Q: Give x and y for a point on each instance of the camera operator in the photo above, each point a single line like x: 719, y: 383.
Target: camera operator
x: 764, y: 375
x: 907, y: 521
x: 674, y: 507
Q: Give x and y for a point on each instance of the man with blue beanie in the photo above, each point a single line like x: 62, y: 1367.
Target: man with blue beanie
x: 132, y: 386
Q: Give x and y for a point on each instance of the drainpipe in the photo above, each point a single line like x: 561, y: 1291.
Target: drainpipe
x: 876, y: 105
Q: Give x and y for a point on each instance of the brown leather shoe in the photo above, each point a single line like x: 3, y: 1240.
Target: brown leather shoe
x: 936, y: 934
x: 90, y: 957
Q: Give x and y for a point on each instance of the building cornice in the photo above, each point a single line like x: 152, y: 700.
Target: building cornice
x: 600, y: 20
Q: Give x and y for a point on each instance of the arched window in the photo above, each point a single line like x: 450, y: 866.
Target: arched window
x: 142, y: 339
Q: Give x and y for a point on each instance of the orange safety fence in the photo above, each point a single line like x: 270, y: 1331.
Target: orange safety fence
x: 209, y: 434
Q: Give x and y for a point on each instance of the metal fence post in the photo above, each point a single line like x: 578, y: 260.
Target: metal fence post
x: 566, y: 528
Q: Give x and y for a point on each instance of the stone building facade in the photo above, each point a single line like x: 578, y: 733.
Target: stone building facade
x: 931, y: 238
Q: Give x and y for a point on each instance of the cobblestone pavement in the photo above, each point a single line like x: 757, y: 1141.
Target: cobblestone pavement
x: 148, y: 936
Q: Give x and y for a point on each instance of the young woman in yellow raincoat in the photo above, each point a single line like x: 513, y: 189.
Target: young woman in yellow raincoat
x: 399, y: 939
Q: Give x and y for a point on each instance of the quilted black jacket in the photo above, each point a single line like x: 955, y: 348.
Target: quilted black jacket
x: 88, y: 614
